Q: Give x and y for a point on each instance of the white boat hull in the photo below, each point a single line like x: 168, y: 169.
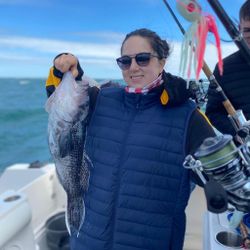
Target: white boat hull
x: 28, y: 197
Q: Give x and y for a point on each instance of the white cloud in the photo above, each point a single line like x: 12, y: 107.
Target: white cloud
x: 57, y: 46
x: 102, y: 36
x: 24, y: 56
x: 97, y: 58
x: 19, y: 57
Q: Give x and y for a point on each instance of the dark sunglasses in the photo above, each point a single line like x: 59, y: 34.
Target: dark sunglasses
x: 142, y: 59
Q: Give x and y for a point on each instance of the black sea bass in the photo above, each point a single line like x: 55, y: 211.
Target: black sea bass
x: 68, y: 110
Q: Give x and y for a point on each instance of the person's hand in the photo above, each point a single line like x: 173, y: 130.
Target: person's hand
x: 66, y: 62
x: 62, y: 63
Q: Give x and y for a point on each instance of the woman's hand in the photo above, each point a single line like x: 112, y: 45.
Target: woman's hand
x: 67, y: 62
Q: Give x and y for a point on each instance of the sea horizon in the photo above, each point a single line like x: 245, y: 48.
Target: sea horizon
x: 23, y: 121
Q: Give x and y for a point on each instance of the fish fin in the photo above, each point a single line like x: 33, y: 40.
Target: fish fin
x: 82, y: 219
x: 67, y: 222
x: 75, y: 214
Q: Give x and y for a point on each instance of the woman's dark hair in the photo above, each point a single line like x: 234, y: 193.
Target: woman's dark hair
x: 245, y: 11
x: 161, y: 47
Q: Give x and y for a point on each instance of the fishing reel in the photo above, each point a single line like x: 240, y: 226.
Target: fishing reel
x: 219, y: 159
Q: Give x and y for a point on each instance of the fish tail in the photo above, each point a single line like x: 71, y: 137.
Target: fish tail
x: 75, y: 215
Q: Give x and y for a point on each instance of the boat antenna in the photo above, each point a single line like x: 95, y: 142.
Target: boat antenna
x: 226, y: 102
x: 174, y: 16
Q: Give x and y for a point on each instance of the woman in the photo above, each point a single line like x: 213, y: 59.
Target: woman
x: 137, y: 139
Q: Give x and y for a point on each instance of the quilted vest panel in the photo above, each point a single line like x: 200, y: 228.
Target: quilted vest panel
x: 138, y: 187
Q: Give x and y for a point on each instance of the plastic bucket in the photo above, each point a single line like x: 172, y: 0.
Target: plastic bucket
x: 57, y: 236
x: 229, y: 216
x: 229, y: 239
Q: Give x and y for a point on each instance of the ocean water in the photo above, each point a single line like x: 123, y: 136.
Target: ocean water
x: 23, y: 122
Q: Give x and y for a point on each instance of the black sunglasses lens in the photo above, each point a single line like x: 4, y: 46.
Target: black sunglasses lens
x: 124, y: 62
x: 143, y: 59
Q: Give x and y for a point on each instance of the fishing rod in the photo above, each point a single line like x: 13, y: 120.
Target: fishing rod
x: 201, y: 164
x: 234, y: 33
x: 236, y: 117
x: 226, y: 102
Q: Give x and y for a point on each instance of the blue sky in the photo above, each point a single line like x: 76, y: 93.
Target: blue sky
x: 32, y: 32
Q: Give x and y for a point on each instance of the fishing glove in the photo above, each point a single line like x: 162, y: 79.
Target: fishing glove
x: 55, y: 77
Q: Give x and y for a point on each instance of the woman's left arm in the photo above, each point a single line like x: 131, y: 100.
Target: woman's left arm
x: 199, y: 129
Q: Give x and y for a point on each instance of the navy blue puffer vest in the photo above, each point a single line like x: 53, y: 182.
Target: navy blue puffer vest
x: 138, y: 187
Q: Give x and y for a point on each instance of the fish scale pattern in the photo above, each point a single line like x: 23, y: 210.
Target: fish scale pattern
x: 138, y: 188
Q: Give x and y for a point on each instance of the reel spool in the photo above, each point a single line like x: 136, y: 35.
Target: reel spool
x: 219, y: 158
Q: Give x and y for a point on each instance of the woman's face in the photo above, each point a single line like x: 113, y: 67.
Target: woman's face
x: 139, y: 76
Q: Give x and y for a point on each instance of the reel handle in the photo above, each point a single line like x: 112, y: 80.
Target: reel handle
x: 216, y: 196
x: 241, y: 126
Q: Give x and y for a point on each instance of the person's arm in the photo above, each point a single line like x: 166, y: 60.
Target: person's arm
x: 198, y: 130
x: 215, y: 110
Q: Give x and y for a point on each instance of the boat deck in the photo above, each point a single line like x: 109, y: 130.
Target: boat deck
x: 195, y: 213
x: 31, y: 181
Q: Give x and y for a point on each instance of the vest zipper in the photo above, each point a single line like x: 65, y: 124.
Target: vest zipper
x: 138, y: 104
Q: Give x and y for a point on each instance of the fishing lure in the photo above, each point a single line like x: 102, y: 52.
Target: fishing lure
x: 194, y: 43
